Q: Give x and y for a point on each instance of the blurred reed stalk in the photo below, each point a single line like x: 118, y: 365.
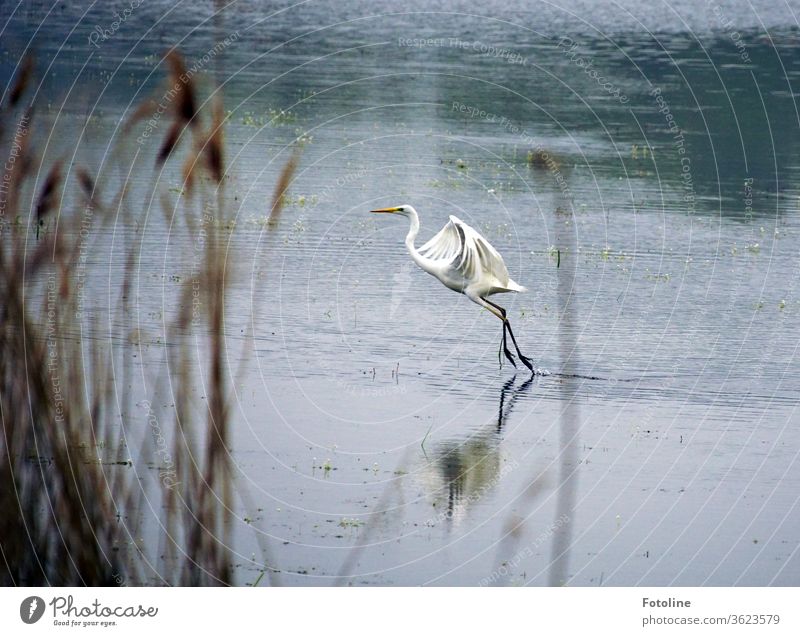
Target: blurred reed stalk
x: 561, y: 528
x: 566, y: 237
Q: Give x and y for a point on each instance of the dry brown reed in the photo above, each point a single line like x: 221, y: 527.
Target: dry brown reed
x: 72, y: 499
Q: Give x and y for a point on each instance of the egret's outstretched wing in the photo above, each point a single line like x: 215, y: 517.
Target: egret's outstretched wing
x: 445, y: 245
x: 466, y: 251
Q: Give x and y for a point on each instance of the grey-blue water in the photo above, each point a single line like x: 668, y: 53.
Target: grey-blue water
x: 377, y: 436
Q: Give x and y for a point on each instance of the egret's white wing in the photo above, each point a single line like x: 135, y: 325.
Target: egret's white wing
x: 467, y: 251
x: 445, y: 245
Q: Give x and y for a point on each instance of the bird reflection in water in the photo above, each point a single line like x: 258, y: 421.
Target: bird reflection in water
x: 462, y: 472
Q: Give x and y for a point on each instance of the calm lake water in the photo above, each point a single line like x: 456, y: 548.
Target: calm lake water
x: 376, y: 437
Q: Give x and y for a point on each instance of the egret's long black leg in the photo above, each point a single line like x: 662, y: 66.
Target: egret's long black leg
x: 507, y: 325
x: 501, y: 314
x: 525, y: 360
x: 504, y: 342
x: 505, y: 348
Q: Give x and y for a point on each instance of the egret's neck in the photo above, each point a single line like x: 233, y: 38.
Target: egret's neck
x: 413, y: 230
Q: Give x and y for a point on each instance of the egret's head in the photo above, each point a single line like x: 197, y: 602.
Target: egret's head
x: 403, y: 210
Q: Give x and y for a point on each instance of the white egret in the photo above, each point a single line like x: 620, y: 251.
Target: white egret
x: 465, y: 262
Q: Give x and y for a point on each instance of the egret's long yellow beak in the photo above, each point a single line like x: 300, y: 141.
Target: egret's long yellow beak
x: 384, y: 210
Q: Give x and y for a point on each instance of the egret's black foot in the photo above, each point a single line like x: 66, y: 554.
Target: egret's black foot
x: 510, y: 357
x: 527, y: 362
